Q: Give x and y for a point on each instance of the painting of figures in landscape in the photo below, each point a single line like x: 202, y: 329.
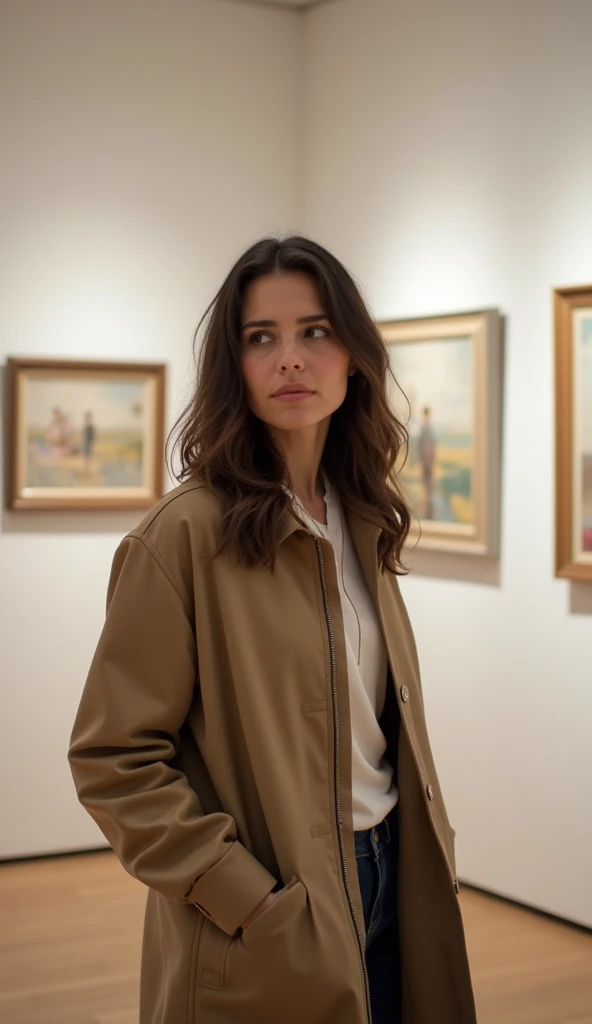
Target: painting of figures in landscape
x: 583, y: 433
x: 436, y: 377
x: 87, y: 436
x: 448, y: 395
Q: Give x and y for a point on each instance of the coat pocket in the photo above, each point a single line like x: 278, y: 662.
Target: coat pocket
x: 278, y: 919
x: 278, y: 969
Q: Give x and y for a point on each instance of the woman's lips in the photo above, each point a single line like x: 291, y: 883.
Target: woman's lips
x: 293, y: 396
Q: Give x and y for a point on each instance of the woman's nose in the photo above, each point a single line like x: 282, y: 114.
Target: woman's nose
x: 290, y: 358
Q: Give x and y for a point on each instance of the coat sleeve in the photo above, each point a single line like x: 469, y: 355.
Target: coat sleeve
x: 137, y: 696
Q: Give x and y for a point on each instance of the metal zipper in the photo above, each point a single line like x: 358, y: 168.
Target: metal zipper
x: 337, y: 793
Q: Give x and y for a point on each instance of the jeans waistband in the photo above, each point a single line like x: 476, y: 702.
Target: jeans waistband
x: 369, y: 841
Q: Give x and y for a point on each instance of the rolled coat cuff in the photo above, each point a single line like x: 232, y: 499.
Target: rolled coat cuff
x: 232, y: 888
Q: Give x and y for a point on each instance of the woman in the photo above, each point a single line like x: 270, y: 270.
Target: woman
x: 251, y: 738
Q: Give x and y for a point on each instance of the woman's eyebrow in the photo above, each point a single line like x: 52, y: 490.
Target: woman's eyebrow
x: 273, y: 323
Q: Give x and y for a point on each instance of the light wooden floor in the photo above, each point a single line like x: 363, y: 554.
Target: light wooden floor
x: 70, y: 932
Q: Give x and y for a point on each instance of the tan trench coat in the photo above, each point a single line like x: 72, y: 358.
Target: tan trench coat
x: 213, y: 748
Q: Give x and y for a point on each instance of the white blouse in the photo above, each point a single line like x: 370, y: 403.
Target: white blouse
x: 374, y: 792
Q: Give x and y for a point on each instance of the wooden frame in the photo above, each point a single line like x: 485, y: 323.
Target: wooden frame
x: 66, y: 458
x: 452, y: 474
x: 573, y: 433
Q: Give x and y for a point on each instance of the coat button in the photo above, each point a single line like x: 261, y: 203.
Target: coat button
x: 404, y: 694
x: 430, y: 793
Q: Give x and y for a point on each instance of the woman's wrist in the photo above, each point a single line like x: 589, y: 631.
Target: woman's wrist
x: 258, y: 911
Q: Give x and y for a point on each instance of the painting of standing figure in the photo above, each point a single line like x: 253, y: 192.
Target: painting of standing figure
x: 448, y: 393
x: 573, y: 378
x: 436, y: 379
x: 85, y: 435
x: 427, y: 457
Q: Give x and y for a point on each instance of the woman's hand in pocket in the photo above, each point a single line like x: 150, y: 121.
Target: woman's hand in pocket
x: 258, y: 911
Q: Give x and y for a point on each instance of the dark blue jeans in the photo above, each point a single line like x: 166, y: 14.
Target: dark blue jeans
x: 376, y: 855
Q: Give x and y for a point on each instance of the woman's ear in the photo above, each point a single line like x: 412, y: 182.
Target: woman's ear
x: 352, y: 370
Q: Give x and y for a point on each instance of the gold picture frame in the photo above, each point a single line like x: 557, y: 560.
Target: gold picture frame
x: 84, y: 435
x: 573, y: 432
x: 449, y: 375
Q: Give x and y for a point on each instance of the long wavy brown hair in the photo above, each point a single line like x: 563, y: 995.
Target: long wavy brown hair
x: 219, y: 440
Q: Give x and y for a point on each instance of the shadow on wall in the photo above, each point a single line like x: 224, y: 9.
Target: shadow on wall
x: 70, y: 522
x: 580, y: 599
x: 454, y: 566
x: 483, y: 571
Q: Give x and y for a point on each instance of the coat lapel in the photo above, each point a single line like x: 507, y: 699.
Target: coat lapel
x: 365, y: 537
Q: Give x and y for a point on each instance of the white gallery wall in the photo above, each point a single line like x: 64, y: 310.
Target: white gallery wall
x: 144, y: 143
x: 449, y: 164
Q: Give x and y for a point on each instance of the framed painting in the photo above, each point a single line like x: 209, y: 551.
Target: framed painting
x: 84, y: 435
x: 573, y: 432
x: 448, y: 394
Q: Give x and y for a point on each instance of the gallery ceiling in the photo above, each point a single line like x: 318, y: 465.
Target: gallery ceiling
x: 280, y: 3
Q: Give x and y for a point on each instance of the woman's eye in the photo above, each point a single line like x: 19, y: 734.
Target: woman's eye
x: 259, y: 338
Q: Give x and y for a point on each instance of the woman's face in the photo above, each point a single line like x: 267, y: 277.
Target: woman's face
x: 287, y: 339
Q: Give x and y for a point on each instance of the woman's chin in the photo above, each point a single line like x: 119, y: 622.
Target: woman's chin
x: 295, y: 419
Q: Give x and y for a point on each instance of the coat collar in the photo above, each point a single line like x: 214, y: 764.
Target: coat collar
x: 364, y: 534
x: 365, y: 537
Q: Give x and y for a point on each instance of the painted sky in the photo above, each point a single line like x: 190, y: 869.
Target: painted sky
x: 438, y: 374
x: 112, y: 403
